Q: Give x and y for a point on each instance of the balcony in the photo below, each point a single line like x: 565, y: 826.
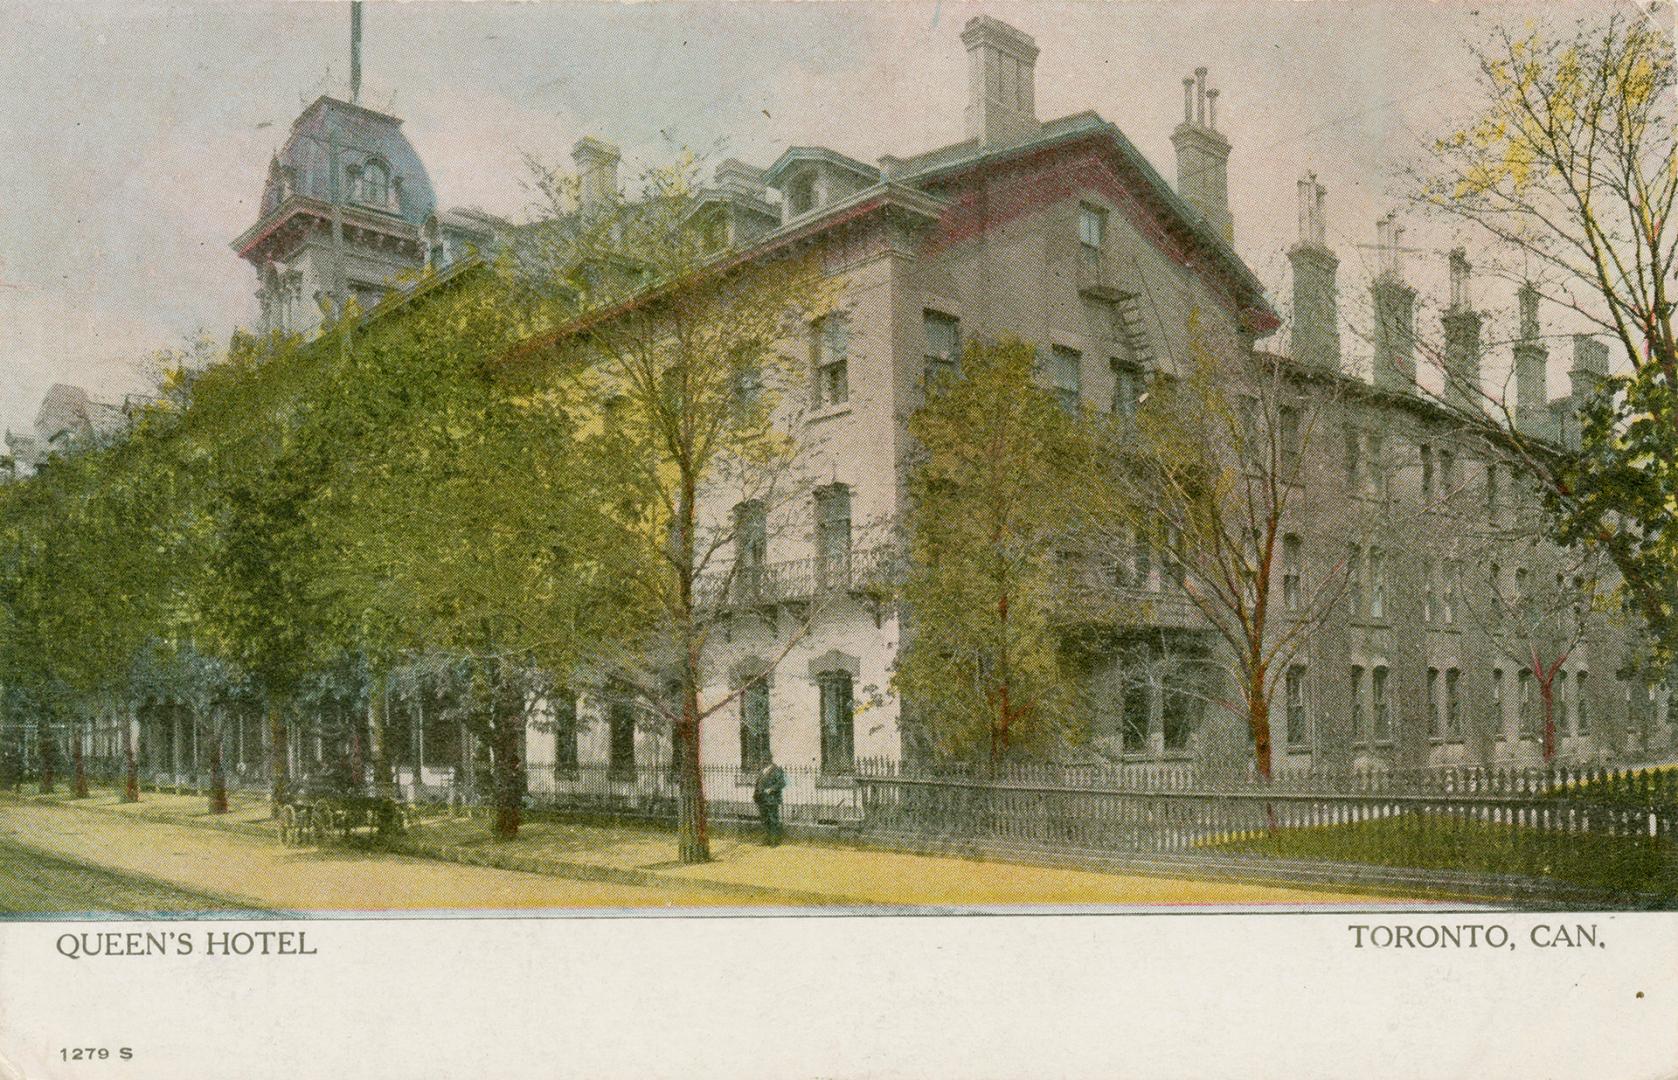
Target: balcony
x: 868, y: 572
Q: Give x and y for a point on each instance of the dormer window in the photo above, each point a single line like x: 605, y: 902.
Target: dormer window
x: 801, y: 194
x: 372, y: 186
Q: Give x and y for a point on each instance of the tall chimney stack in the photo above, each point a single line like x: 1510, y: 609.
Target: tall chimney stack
x: 1001, y: 82
x: 1316, y: 321
x: 1203, y: 156
x: 1590, y: 371
x: 1395, y: 312
x: 597, y: 173
x: 1462, y: 338
x: 1532, y: 390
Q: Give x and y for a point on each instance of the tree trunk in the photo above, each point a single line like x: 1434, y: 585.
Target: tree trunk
x: 131, y: 782
x: 378, y: 709
x: 1546, y: 695
x: 78, y: 764
x: 279, y: 754
x: 693, y: 840
x: 506, y: 716
x: 46, y: 760
x: 218, y: 777
x: 1258, y: 722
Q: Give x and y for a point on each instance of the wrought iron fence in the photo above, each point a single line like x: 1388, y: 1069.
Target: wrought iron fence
x: 1617, y: 829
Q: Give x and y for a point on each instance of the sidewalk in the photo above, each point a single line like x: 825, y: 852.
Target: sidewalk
x: 557, y: 864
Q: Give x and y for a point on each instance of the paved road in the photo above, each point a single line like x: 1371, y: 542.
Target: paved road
x: 33, y: 882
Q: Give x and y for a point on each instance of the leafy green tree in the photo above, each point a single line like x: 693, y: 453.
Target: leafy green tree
x: 692, y: 367
x: 992, y: 497
x: 456, y: 516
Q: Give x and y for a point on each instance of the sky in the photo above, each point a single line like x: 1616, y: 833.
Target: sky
x: 136, y: 136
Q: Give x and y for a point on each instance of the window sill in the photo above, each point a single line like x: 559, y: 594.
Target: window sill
x: 828, y: 412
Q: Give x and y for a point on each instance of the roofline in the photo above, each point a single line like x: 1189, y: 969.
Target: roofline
x: 295, y: 204
x: 328, y: 99
x: 1085, y: 125
x: 794, y: 154
x: 882, y: 196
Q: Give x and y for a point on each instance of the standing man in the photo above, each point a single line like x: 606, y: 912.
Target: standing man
x: 767, y: 794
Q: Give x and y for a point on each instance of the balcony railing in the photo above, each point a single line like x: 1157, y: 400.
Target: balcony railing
x: 801, y: 580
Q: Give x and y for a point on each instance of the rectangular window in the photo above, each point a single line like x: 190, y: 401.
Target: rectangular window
x: 1136, y: 707
x: 1492, y: 488
x: 1066, y: 371
x: 620, y: 721
x: 1377, y: 583
x: 1359, y: 735
x: 943, y: 347
x: 1581, y: 704
x: 1499, y: 727
x: 1528, y: 718
x: 1561, y: 704
x: 1292, y: 438
x: 833, y: 534
x: 1376, y: 467
x: 1142, y: 555
x: 1381, y: 706
x: 565, y: 733
x: 1447, y: 474
x: 1179, y: 711
x: 1092, y: 225
x: 1175, y: 565
x: 838, y: 720
x: 1354, y: 461
x: 1453, y: 705
x: 1430, y: 591
x: 1448, y: 605
x: 751, y: 544
x: 1427, y: 472
x: 1127, y: 388
x: 1354, y: 581
x: 754, y: 726
x: 831, y: 344
x: 1299, y: 727
x: 1292, y: 556
x: 1435, y: 719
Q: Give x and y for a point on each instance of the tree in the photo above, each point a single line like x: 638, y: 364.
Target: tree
x: 1541, y: 602
x: 457, y: 514
x: 1569, y: 170
x: 1207, y: 475
x: 992, y: 495
x: 691, y: 360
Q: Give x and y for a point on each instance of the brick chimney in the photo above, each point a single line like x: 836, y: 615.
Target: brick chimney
x: 1532, y: 390
x: 597, y: 171
x: 1203, y: 156
x: 1462, y: 338
x: 1001, y: 82
x: 1395, y: 312
x: 1316, y: 320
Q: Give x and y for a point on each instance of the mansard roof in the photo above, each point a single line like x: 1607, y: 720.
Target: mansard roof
x: 302, y: 166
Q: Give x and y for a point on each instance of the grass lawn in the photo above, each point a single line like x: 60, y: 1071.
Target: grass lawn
x: 1618, y: 864
x: 35, y: 883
